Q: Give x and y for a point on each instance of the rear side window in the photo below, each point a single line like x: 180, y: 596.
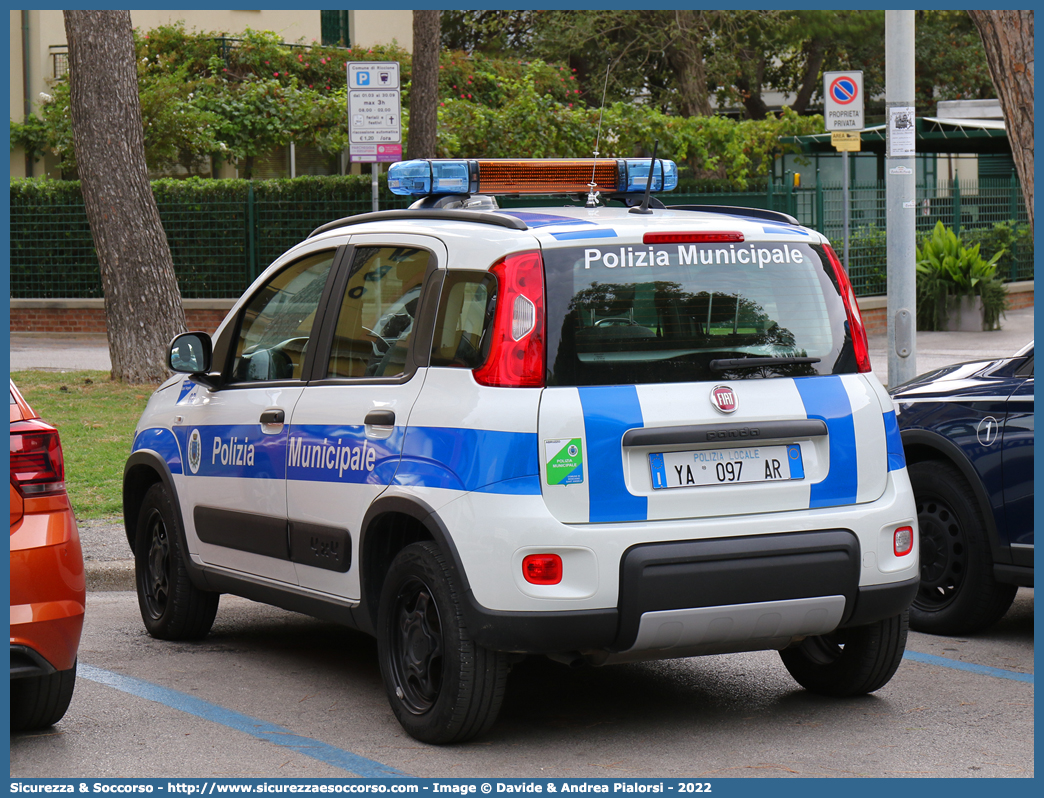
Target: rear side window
x: 665, y: 313
x: 465, y: 312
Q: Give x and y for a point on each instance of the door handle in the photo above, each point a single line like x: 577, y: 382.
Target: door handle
x: 380, y: 418
x: 272, y: 417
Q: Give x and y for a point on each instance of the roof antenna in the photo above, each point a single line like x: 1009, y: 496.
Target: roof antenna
x: 644, y: 207
x: 592, y: 194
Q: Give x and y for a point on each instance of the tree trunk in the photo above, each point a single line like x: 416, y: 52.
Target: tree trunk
x: 143, y: 309
x: 685, y: 55
x: 750, y: 87
x: 1008, y: 39
x: 424, y: 85
x: 811, y: 80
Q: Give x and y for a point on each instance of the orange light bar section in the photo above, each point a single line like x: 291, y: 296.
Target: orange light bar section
x: 545, y: 175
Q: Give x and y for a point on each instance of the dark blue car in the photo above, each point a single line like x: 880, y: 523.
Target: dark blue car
x: 968, y: 436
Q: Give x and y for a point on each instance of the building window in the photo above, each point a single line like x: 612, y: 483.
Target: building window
x: 334, y: 26
x: 59, y: 60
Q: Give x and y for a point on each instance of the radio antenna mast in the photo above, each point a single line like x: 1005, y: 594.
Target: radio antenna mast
x: 592, y: 194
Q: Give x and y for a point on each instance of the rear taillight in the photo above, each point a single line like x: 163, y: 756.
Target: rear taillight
x: 37, y: 465
x: 517, y: 355
x: 856, y: 330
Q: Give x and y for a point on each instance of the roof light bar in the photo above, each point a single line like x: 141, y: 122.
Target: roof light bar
x: 528, y: 176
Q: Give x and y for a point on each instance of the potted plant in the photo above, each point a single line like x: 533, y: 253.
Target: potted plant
x: 957, y: 289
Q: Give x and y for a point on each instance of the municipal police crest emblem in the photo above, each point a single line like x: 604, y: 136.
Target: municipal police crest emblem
x: 195, y: 451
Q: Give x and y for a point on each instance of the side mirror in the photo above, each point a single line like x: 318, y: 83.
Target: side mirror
x: 190, y: 353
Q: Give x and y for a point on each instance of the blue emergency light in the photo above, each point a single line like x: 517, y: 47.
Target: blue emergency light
x: 529, y: 176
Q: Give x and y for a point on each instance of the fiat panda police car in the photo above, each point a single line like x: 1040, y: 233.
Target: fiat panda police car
x: 605, y: 432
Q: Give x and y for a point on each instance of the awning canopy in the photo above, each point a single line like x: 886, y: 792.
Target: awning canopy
x: 934, y: 134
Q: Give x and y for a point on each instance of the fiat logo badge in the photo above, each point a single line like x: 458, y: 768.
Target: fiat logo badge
x: 724, y: 398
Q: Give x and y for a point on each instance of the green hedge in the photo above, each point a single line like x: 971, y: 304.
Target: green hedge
x: 1015, y: 239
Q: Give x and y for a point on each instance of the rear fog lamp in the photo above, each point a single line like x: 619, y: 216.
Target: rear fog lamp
x: 903, y: 541
x: 542, y: 569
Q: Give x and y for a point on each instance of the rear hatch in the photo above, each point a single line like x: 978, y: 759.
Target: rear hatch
x: 698, y: 378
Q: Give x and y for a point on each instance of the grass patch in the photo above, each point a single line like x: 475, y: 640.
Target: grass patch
x: 95, y: 418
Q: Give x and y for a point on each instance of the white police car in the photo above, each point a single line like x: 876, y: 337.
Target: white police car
x: 603, y: 434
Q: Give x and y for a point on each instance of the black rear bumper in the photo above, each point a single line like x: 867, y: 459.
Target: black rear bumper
x: 701, y: 573
x: 26, y: 663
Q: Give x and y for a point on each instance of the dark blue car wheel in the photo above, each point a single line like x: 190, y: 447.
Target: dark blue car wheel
x: 958, y: 593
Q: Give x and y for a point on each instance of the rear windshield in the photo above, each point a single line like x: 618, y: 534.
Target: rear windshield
x: 685, y: 312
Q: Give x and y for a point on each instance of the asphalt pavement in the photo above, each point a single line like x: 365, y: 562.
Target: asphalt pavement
x: 107, y: 555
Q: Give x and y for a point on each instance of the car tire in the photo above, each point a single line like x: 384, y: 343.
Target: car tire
x: 443, y: 687
x: 41, y: 701
x: 958, y: 593
x: 171, y: 606
x: 849, y: 662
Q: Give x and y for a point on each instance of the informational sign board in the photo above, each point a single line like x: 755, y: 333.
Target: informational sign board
x: 902, y: 132
x: 374, y: 112
x: 846, y: 141
x: 843, y: 100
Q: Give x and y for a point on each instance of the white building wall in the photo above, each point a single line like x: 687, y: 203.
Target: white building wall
x: 381, y: 27
x: 291, y: 26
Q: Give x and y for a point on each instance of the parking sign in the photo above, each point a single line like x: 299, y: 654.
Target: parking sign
x: 843, y: 100
x: 374, y: 111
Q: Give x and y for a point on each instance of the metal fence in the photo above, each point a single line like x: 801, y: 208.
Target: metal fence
x: 220, y: 243
x: 971, y: 208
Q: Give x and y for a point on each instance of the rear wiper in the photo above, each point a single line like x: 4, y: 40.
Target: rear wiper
x: 726, y: 364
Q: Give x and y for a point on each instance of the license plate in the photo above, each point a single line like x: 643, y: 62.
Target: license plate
x: 726, y: 466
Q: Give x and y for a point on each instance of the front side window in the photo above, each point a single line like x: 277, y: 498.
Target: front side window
x: 686, y: 312
x: 376, y: 319
x: 277, y: 322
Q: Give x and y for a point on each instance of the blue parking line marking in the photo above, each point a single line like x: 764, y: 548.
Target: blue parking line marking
x: 985, y: 670
x: 262, y: 730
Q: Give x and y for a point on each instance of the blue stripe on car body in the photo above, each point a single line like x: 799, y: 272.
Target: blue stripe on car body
x: 894, y: 441
x: 163, y: 442
x: 469, y: 459
x: 489, y: 461
x: 601, y: 232
x: 236, y: 450
x: 825, y: 398
x: 335, y: 453
x: 535, y: 220
x: 774, y: 229
x: 609, y: 411
x: 185, y: 390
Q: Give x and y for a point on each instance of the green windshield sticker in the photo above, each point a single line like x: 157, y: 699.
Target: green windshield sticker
x: 564, y: 458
